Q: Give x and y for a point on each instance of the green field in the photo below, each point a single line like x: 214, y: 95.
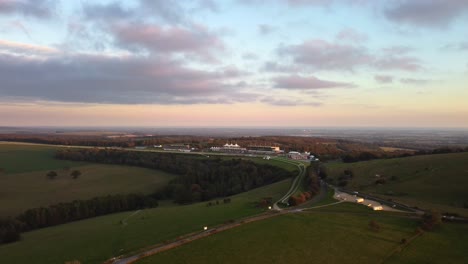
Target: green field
x: 323, y: 236
x: 24, y: 183
x: 447, y: 244
x: 97, y: 239
x: 295, y: 238
x: 21, y: 191
x: 431, y: 182
x: 18, y: 158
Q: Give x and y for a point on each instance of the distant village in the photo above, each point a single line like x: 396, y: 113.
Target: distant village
x: 230, y: 148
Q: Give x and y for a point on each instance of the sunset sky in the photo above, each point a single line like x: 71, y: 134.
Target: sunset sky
x: 295, y: 63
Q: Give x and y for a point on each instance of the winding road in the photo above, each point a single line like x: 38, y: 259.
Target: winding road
x: 295, y: 184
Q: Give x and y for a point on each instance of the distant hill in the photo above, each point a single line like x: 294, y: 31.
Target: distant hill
x: 430, y: 181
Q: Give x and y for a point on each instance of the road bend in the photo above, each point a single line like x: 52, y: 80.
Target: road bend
x: 295, y: 184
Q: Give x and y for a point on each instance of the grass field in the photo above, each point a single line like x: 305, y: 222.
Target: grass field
x: 315, y: 237
x: 21, y: 191
x: 97, y: 239
x: 447, y: 244
x: 432, y: 181
x: 337, y: 234
x: 18, y: 158
x: 24, y: 183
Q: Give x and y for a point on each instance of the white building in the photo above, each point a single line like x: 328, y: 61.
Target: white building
x: 229, y: 147
x: 297, y: 155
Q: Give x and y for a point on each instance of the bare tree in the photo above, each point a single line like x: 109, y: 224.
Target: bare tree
x: 52, y: 175
x: 75, y: 174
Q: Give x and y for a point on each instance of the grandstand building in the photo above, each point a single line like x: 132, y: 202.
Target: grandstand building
x: 264, y: 149
x: 229, y: 148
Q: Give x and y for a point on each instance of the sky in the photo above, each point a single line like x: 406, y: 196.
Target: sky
x: 234, y: 63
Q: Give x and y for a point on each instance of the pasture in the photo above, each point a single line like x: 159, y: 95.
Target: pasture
x: 431, y: 181
x: 97, y: 239
x: 312, y: 237
x: 23, y: 157
x: 22, y: 191
x: 335, y: 234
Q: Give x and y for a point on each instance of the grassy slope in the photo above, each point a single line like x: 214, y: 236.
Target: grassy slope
x: 447, y: 244
x: 24, y: 183
x: 335, y: 234
x: 19, y: 158
x: 22, y: 191
x: 320, y: 237
x: 97, y: 239
x: 432, y: 181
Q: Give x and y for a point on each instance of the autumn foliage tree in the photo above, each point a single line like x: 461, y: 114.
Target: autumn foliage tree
x: 431, y: 221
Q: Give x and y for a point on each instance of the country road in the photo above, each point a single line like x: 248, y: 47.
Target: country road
x: 294, y: 186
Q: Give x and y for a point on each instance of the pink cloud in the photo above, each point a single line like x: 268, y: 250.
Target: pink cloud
x: 112, y: 79
x: 322, y: 54
x: 307, y: 83
x: 12, y: 46
x: 414, y: 81
x: 384, y: 78
x: 196, y: 41
x: 35, y: 8
x: 350, y: 34
x: 426, y: 13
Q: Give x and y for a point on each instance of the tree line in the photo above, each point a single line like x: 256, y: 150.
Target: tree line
x: 366, y: 155
x: 11, y: 228
x: 70, y: 140
x: 198, y: 178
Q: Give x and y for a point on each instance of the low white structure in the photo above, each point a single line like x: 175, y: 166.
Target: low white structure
x: 228, y: 147
x: 297, y: 155
x: 377, y: 208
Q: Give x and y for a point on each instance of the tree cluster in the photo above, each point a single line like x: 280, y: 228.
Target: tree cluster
x: 199, y: 178
x: 345, y: 178
x: 71, y: 140
x: 431, y: 220
x: 443, y: 150
x: 361, y: 156
x: 10, y: 230
x: 356, y: 156
x: 311, y: 184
